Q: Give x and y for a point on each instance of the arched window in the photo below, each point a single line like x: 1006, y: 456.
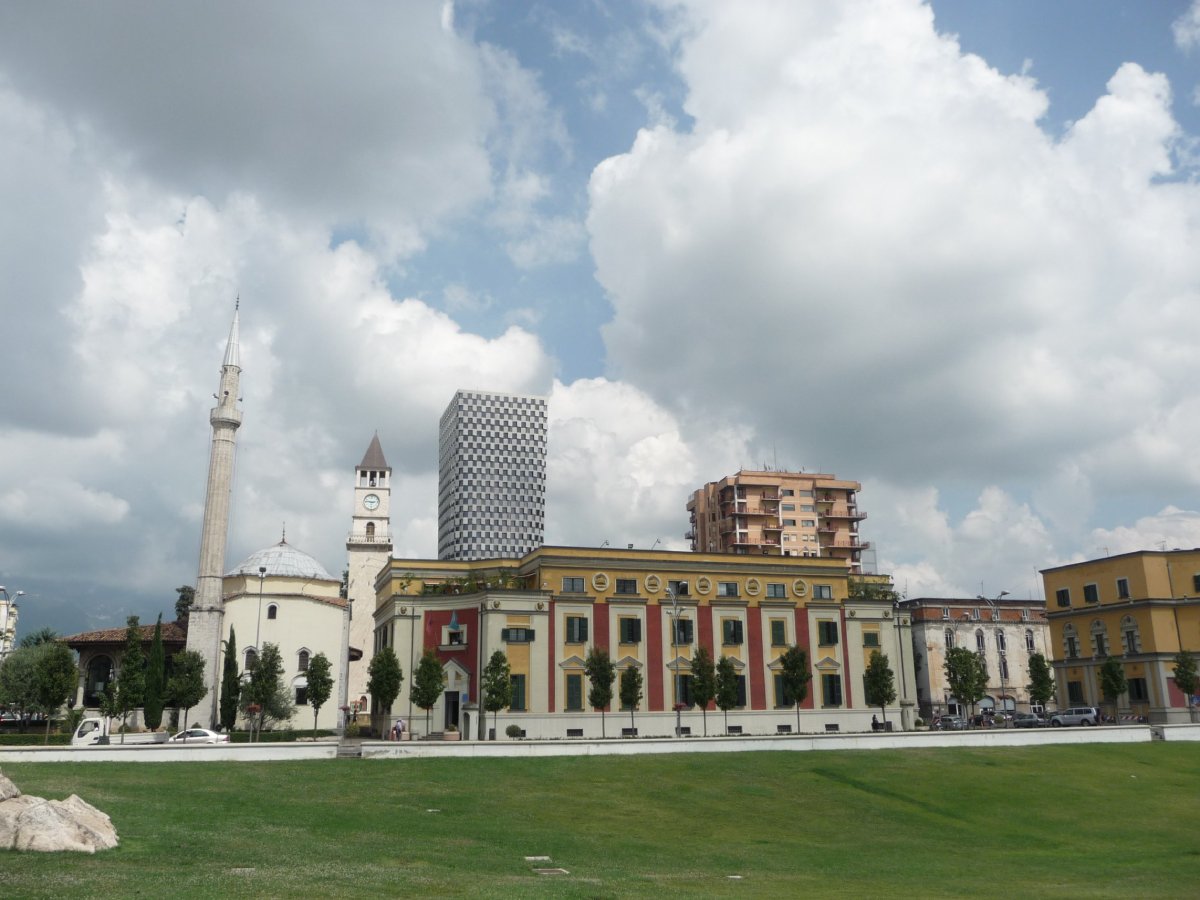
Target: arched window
x: 1001, y: 643
x: 99, y: 673
x: 302, y: 661
x: 1070, y: 642
x: 949, y: 635
x: 251, y: 659
x: 1130, y: 638
x: 1029, y: 645
x: 272, y: 611
x: 980, y: 641
x: 370, y: 529
x: 1099, y: 638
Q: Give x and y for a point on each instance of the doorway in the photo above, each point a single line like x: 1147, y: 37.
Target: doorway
x: 450, y: 705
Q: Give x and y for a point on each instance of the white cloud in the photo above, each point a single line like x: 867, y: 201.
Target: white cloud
x: 1170, y: 529
x: 1187, y: 27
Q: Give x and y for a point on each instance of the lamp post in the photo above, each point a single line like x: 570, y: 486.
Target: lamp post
x: 674, y: 656
x: 1001, y: 649
x: 262, y: 576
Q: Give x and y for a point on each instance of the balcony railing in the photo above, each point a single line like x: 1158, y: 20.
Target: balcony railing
x: 364, y: 538
x: 853, y: 544
x: 845, y: 512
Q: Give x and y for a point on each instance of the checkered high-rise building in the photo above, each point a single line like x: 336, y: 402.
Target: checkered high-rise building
x: 491, y: 476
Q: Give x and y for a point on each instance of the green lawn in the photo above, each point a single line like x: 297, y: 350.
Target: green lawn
x: 1058, y: 821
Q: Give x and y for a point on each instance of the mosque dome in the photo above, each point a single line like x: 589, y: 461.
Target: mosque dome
x: 282, y: 560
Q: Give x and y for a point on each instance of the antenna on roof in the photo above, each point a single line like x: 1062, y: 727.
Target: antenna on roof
x: 284, y: 541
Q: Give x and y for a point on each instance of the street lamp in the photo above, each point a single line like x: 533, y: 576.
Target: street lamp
x: 1001, y: 648
x: 675, y: 655
x: 262, y: 576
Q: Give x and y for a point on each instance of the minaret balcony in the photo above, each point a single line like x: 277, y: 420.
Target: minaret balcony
x: 382, y: 538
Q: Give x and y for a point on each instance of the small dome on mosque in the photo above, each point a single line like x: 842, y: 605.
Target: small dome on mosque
x: 282, y: 560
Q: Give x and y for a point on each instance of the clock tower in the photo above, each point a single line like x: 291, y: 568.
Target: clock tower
x: 368, y: 549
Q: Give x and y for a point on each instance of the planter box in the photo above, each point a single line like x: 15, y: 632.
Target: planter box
x: 451, y: 736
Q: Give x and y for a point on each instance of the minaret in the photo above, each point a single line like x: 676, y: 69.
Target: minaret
x: 368, y: 548
x: 204, y: 620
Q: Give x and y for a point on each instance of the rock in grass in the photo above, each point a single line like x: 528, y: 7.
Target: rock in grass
x: 48, y: 826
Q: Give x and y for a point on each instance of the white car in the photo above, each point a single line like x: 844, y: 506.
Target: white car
x: 200, y: 736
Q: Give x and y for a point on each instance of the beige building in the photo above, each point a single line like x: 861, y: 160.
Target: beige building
x: 368, y: 549
x: 1007, y: 631
x: 779, y: 514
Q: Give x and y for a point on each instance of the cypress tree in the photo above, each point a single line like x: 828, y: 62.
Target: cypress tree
x: 156, y: 677
x: 231, y: 687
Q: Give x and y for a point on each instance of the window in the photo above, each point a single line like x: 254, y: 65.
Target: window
x: 684, y: 633
x: 788, y: 492
x: 272, y: 611
x: 778, y: 633
x: 776, y: 591
x: 1099, y: 639
x: 518, y: 693
x: 678, y: 588
x: 1001, y: 642
x: 831, y: 690
x: 1075, y: 693
x: 948, y: 634
x: 1063, y: 596
x: 731, y: 631
x: 870, y: 638
x: 974, y: 615
x: 1122, y: 588
x: 629, y: 629
x: 302, y: 695
x: 827, y: 633
x: 783, y: 699
x: 1029, y: 646
x: 626, y: 586
x: 1004, y: 667
x: 683, y: 691
x: 727, y: 589
x: 572, y: 585
x: 577, y: 629
x: 945, y: 613
x: 788, y: 507
x: 302, y: 661
x: 808, y: 523
x: 574, y: 692
x: 1138, y: 690
x: 807, y: 507
x: 1196, y: 583
x: 516, y: 635
x: 1091, y: 593
x: 789, y: 523
x: 822, y: 592
x: 741, y: 690
x: 980, y: 642
x: 1070, y: 642
x: 251, y: 659
x: 1024, y: 614
x: 1130, y: 638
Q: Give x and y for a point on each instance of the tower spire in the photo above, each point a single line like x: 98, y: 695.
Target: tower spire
x: 206, y: 618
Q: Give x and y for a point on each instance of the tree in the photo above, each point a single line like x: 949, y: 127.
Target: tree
x: 156, y: 680
x: 131, y: 680
x: 704, y: 681
x: 796, y: 675
x: 428, y: 683
x: 879, y: 684
x: 39, y: 637
x: 966, y: 675
x: 1185, y: 677
x: 1041, y: 680
x: 55, y: 679
x: 185, y: 687
x: 1112, y: 682
x: 631, y: 691
x: 231, y: 684
x: 385, y: 678
x: 183, y: 604
x: 727, y: 687
x: 266, y: 692
x: 320, y: 684
x: 497, y: 685
x: 601, y: 673
x: 17, y: 679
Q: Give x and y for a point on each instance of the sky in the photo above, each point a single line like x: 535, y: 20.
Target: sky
x: 947, y: 249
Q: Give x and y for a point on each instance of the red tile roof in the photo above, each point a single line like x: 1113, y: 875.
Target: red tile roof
x: 172, y: 633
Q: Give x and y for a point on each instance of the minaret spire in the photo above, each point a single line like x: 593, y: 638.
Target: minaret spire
x: 205, y: 619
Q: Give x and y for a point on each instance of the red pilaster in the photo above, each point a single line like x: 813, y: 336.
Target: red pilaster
x: 654, y: 658
x: 847, y: 698
x: 758, y: 687
x: 600, y: 630
x: 803, y: 641
x: 704, y: 628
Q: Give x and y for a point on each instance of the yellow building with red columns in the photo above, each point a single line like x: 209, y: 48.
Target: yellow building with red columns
x: 1142, y: 607
x: 649, y: 610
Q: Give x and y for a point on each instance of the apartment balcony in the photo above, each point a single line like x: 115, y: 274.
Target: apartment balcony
x: 772, y: 526
x: 846, y: 544
x: 844, y: 512
x: 826, y: 528
x: 690, y: 535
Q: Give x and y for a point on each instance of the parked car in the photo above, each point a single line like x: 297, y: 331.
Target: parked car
x: 952, y: 723
x: 1027, y: 720
x: 1076, y: 715
x: 199, y: 736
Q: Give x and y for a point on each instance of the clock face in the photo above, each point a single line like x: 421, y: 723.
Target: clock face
x: 371, y: 501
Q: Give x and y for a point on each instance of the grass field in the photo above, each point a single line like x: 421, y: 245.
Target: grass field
x: 1057, y: 821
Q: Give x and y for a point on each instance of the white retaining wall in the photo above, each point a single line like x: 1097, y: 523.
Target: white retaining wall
x: 1176, y: 732
x: 174, y: 752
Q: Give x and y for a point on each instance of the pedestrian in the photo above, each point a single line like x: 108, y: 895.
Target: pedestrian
x: 399, y: 729
x: 874, y: 723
